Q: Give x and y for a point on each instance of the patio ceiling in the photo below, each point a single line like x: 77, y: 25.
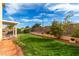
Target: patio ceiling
x: 9, y: 22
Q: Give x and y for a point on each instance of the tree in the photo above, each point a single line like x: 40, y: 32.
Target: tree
x: 68, y: 28
x: 36, y: 27
x: 67, y: 24
x: 75, y: 33
x: 46, y: 29
x: 19, y: 30
x: 26, y: 29
x: 68, y: 16
x: 57, y: 29
x: 10, y: 27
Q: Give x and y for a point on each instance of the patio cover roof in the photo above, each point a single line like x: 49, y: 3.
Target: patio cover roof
x: 9, y: 22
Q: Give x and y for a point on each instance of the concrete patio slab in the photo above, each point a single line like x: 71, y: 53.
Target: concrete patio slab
x: 8, y: 48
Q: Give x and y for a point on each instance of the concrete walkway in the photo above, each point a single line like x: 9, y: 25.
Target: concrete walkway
x: 8, y: 48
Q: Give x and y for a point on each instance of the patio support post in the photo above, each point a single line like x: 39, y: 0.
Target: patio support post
x: 16, y: 31
x: 13, y: 31
x: 0, y: 21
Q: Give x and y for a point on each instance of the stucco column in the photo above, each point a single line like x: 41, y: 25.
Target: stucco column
x: 15, y: 31
x: 0, y: 21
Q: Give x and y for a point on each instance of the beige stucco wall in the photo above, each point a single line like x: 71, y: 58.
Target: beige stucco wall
x: 0, y: 21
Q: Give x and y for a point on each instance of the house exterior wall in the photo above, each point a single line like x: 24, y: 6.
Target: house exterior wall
x: 0, y: 21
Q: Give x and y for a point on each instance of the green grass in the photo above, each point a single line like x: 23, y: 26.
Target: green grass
x: 38, y: 46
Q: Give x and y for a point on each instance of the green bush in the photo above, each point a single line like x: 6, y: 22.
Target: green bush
x: 75, y: 33
x: 26, y: 30
x: 19, y: 30
x: 57, y: 29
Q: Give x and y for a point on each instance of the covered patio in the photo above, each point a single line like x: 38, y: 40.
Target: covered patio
x: 9, y: 29
x: 8, y: 47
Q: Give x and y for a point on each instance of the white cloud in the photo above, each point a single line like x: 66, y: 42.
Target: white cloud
x: 76, y: 15
x: 35, y: 20
x: 11, y: 18
x: 44, y: 14
x: 31, y: 20
x: 66, y: 7
x: 12, y: 8
x: 26, y: 20
x: 76, y: 21
x: 48, y: 4
x: 51, y: 15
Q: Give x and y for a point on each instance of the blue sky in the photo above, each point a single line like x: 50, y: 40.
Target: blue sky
x: 27, y: 14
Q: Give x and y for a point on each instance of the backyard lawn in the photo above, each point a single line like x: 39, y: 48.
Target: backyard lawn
x: 39, y: 46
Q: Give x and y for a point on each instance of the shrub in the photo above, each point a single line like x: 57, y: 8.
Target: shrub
x: 26, y: 30
x: 57, y: 29
x: 75, y: 33
x: 19, y: 30
x: 36, y: 27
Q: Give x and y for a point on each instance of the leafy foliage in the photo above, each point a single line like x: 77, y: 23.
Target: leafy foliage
x: 75, y: 33
x: 67, y: 24
x: 10, y: 26
x: 47, y: 29
x: 26, y: 29
x: 36, y: 27
x: 57, y: 29
x: 68, y: 16
x: 19, y: 30
x: 68, y: 28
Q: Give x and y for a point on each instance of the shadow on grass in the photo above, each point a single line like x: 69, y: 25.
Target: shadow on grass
x: 58, y: 48
x: 40, y: 46
x: 41, y: 39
